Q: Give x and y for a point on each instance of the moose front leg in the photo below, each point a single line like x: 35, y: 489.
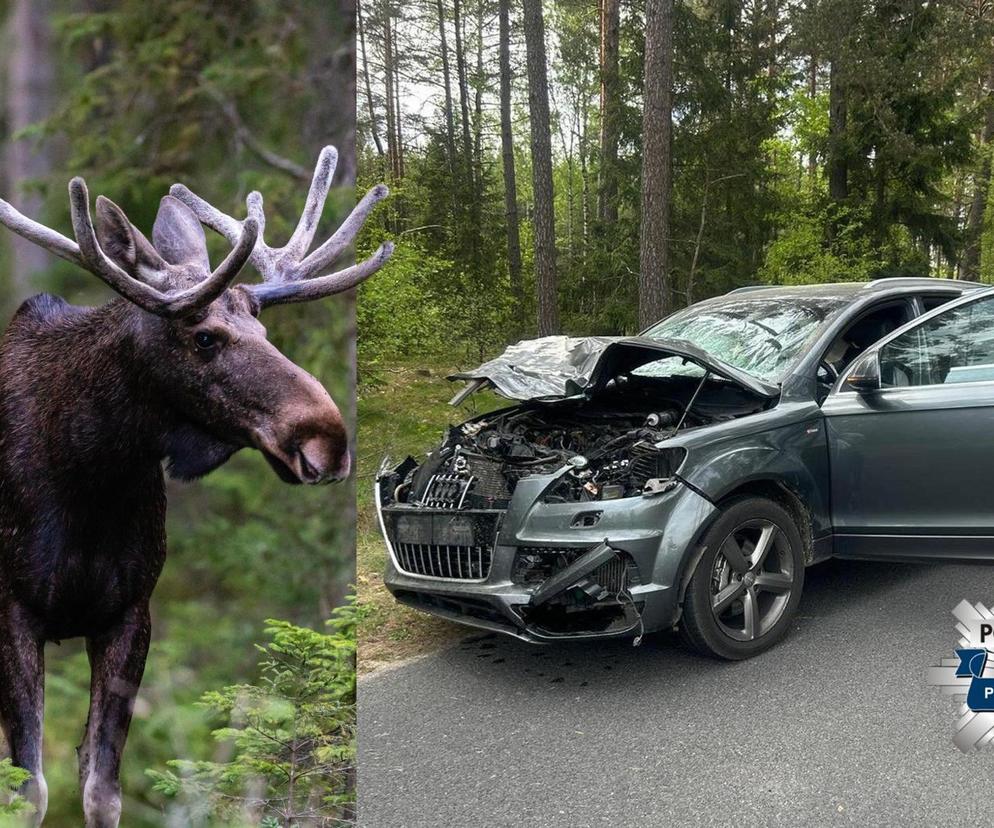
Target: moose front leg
x: 22, y: 694
x: 117, y: 661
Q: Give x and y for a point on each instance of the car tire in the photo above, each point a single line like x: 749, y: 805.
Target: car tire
x: 744, y: 593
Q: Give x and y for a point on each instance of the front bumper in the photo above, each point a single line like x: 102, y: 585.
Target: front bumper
x: 655, y: 536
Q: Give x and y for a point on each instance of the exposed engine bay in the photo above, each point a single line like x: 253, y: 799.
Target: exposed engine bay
x: 613, y: 444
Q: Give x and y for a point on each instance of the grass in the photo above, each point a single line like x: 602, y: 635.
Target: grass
x: 404, y: 410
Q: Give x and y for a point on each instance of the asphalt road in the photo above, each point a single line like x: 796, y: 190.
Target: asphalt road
x: 834, y: 726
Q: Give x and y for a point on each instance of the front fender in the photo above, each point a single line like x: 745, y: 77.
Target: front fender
x: 794, y: 455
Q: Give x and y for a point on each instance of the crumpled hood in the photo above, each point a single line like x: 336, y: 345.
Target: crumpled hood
x: 561, y: 366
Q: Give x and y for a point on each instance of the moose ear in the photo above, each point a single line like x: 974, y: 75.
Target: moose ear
x: 122, y: 242
x: 178, y: 236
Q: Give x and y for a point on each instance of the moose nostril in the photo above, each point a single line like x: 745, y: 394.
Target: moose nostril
x: 323, y: 459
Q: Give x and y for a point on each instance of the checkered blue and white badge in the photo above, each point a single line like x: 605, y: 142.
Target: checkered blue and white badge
x: 969, y: 676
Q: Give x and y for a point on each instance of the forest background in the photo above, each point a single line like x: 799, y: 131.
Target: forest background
x: 227, y: 97
x: 538, y: 188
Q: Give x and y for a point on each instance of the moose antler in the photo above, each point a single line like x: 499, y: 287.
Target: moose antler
x: 288, y: 272
x: 88, y: 254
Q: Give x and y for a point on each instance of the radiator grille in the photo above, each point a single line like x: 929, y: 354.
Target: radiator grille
x: 489, y: 482
x: 645, y: 464
x: 534, y: 564
x: 446, y: 491
x: 467, y: 563
x: 613, y: 575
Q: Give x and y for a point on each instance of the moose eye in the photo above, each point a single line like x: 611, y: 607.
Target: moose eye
x: 205, y: 340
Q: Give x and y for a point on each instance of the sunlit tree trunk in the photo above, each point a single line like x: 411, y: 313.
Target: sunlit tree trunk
x: 657, y: 163
x: 953, y: 263
x: 541, y: 146
x: 584, y: 180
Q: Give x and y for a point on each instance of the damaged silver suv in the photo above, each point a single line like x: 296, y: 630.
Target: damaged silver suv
x: 686, y: 477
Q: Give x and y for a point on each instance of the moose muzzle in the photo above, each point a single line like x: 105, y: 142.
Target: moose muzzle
x: 307, y: 442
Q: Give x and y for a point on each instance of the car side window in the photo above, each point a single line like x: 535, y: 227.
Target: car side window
x: 931, y: 302
x: 865, y: 331
x: 954, y: 347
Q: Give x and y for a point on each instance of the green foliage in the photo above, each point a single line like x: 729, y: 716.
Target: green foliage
x: 904, y: 68
x: 11, y: 779
x: 399, y: 312
x: 802, y: 254
x: 290, y: 736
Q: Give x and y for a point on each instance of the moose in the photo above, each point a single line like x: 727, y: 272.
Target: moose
x: 97, y: 403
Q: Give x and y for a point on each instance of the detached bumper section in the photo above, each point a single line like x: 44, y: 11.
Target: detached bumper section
x: 545, y: 571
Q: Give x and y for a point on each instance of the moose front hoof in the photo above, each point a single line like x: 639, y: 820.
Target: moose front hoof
x: 101, y: 804
x: 36, y: 793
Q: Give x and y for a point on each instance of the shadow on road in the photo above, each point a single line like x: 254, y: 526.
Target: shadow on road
x: 834, y: 592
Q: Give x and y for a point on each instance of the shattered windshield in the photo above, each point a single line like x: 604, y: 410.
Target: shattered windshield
x: 762, y: 336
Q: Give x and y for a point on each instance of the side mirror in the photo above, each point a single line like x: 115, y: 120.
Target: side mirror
x: 864, y: 375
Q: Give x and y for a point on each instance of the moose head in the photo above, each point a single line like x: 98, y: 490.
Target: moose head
x: 198, y: 342
x: 93, y: 400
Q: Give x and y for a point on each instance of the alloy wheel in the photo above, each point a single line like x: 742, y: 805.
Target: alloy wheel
x: 751, y: 580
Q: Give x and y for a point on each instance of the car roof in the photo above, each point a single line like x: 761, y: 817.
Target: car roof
x: 843, y: 290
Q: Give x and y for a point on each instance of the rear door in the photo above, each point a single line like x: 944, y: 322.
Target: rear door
x: 912, y: 464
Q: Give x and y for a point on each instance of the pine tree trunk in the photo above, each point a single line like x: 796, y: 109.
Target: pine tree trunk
x: 450, y: 129
x: 541, y: 146
x: 813, y: 93
x: 478, y: 105
x: 467, y: 141
x: 657, y: 163
x: 584, y: 183
x: 333, y: 68
x: 610, y: 105
x: 953, y: 263
x: 390, y: 88
x: 838, y: 167
x: 510, y: 181
x: 981, y: 186
x: 30, y: 93
x: 367, y: 84
x: 397, y: 119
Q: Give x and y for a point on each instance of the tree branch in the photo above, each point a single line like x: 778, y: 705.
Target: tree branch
x: 244, y: 134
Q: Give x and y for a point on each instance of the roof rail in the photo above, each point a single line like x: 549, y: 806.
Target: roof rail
x: 748, y: 288
x: 922, y: 280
